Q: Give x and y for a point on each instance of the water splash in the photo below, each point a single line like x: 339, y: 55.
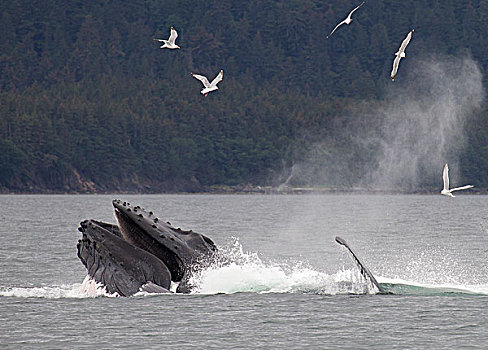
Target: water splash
x: 90, y: 288
x: 238, y: 271
x: 87, y: 289
x: 49, y: 292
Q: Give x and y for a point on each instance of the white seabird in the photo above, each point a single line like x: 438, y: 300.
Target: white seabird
x: 348, y: 20
x: 400, y: 54
x: 446, y: 191
x: 208, y: 87
x: 170, y: 43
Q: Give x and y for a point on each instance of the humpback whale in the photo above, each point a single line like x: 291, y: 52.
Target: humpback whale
x: 141, y: 253
x: 121, y: 267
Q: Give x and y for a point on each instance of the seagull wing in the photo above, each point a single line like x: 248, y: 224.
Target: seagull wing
x: 203, y: 79
x: 445, y: 177
x: 350, y: 13
x: 161, y: 40
x: 337, y: 26
x: 173, y: 36
x: 396, y: 63
x: 462, y: 188
x: 218, y: 78
x: 405, y: 42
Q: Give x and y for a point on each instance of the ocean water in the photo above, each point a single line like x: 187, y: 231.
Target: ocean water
x: 285, y: 283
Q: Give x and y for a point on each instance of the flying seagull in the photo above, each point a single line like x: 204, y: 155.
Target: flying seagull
x: 208, y: 87
x: 446, y: 191
x: 170, y: 43
x: 400, y: 54
x: 348, y: 20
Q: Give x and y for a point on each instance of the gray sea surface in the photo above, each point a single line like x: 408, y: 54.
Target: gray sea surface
x: 286, y: 282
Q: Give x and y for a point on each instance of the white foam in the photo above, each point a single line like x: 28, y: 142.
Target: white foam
x: 87, y: 289
x: 90, y: 288
x: 246, y: 272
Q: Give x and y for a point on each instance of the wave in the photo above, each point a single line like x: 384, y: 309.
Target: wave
x: 87, y: 289
x: 406, y: 287
x: 236, y: 271
x: 225, y: 280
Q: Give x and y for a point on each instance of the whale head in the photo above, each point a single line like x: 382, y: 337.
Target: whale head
x: 177, y: 248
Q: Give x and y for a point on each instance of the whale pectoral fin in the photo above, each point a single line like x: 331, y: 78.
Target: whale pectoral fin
x: 153, y: 288
x: 362, y: 268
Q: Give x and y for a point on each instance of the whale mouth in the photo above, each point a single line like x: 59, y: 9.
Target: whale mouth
x: 106, y: 255
x: 142, y: 234
x: 141, y: 252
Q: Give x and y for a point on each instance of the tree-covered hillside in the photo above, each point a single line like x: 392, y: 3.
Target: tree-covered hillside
x: 88, y: 101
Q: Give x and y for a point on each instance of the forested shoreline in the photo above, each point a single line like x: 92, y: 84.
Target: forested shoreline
x: 90, y: 104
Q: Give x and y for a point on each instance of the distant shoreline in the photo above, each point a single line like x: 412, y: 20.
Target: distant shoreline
x: 250, y: 189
